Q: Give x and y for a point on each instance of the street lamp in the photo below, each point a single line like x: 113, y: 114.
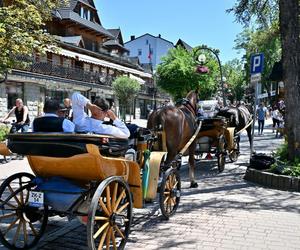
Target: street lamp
x: 201, y: 58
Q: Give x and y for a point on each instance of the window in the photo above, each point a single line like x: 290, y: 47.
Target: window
x: 139, y: 52
x: 147, y: 42
x: 85, y: 13
x: 14, y: 91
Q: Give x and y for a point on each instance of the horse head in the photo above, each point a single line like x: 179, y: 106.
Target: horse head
x: 191, y: 101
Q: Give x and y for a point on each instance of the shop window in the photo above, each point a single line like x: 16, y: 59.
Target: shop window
x: 14, y: 91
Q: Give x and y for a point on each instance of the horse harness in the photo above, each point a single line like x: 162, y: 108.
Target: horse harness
x: 186, y: 102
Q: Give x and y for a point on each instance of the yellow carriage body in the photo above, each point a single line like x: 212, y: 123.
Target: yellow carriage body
x: 81, y: 167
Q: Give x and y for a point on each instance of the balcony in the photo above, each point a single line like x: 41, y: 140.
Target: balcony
x: 73, y: 73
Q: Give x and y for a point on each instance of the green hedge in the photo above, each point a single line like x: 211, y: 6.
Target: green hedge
x: 4, y: 130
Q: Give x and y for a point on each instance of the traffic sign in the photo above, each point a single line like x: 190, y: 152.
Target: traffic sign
x: 256, y: 63
x: 255, y: 78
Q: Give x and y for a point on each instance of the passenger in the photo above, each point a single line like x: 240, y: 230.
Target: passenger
x: 50, y: 121
x: 100, y: 110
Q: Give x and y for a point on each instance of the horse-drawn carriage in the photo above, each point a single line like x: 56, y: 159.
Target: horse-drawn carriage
x: 85, y: 176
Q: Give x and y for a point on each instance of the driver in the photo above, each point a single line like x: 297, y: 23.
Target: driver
x: 100, y: 110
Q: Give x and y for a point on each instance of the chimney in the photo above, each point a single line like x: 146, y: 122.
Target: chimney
x: 159, y: 35
x: 132, y: 38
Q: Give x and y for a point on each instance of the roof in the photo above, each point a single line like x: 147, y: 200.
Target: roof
x: 67, y: 12
x: 114, y: 32
x: 71, y: 15
x: 147, y: 34
x: 76, y: 40
x: 114, y: 43
x: 184, y: 45
x: 277, y: 72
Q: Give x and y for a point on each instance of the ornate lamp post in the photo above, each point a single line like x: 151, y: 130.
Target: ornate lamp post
x: 201, y: 59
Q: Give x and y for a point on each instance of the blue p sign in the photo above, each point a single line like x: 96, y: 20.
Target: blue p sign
x: 256, y: 63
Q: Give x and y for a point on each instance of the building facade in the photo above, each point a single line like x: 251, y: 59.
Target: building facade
x: 88, y: 59
x: 148, y: 48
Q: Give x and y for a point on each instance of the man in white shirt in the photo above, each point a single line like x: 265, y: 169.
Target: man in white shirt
x: 94, y: 124
x: 50, y: 121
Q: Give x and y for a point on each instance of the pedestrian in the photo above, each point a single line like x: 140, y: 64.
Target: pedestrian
x: 22, y: 116
x: 275, y: 114
x: 68, y: 107
x: 261, y: 117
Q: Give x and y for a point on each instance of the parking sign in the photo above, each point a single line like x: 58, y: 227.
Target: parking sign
x: 256, y: 63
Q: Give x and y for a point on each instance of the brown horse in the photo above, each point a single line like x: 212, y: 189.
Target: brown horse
x: 179, y: 124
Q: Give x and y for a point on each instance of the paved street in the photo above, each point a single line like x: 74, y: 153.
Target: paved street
x: 224, y: 212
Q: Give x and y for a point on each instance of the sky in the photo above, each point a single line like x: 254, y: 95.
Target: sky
x: 196, y: 22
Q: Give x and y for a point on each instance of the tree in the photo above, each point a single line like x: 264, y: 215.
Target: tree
x: 177, y: 74
x: 289, y: 31
x: 22, y: 29
x: 265, y: 40
x: 233, y: 71
x: 125, y: 89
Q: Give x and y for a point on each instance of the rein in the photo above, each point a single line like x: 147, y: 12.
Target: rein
x: 240, y: 131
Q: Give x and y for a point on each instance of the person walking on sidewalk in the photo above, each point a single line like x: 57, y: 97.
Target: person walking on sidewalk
x: 261, y: 117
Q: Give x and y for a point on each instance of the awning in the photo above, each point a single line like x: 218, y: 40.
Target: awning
x: 138, y: 79
x: 90, y: 59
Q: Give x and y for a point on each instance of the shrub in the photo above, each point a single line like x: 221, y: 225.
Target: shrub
x: 4, y: 130
x: 282, y: 165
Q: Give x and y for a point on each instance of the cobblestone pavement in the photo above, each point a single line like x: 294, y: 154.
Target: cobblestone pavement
x: 224, y: 212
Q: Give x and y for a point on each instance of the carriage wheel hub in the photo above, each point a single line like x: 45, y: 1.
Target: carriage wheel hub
x: 116, y: 219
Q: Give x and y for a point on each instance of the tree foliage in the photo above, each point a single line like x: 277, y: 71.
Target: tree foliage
x: 235, y: 75
x: 177, y: 74
x: 264, y: 12
x: 266, y: 41
x: 125, y: 89
x: 22, y: 29
x: 289, y: 11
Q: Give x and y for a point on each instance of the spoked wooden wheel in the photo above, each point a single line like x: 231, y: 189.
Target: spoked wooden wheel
x: 169, y: 195
x: 235, y: 152
x: 21, y: 226
x: 110, y: 215
x: 221, y: 154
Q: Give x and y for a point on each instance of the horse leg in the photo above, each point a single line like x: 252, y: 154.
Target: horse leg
x: 249, y: 133
x: 192, y: 147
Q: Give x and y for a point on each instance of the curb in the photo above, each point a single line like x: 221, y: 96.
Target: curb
x: 267, y: 179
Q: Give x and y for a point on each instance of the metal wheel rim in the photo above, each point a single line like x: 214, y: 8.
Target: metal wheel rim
x: 103, y: 231
x: 18, y: 227
x: 170, y: 193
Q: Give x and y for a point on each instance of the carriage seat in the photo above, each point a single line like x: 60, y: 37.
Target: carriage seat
x: 212, y: 123
x: 64, y: 144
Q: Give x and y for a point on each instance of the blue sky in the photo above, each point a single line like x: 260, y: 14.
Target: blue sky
x: 194, y: 21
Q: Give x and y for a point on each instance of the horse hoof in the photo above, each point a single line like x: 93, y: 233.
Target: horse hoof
x: 194, y: 185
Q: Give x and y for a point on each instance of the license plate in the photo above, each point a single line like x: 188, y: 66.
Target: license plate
x: 36, y: 199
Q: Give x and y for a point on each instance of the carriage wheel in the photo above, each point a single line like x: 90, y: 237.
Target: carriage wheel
x: 169, y: 195
x: 235, y: 152
x: 110, y: 215
x: 221, y: 154
x: 21, y: 226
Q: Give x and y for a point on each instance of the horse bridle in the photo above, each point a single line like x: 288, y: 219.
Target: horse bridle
x: 189, y: 106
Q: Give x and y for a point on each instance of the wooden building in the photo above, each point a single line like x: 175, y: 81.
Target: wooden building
x: 88, y: 60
